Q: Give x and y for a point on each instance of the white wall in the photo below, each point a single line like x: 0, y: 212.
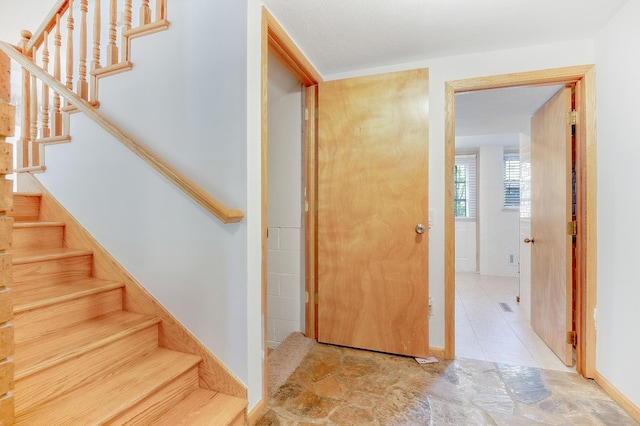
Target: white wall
x: 499, y: 227
x: 525, y: 223
x: 460, y: 67
x: 186, y: 99
x: 284, y: 217
x: 255, y: 319
x: 618, y: 104
x: 466, y: 246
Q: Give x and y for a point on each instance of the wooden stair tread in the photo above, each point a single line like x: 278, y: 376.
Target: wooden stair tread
x: 97, y: 403
x: 203, y: 407
x: 50, y: 349
x: 36, y: 294
x: 38, y: 224
x: 39, y: 255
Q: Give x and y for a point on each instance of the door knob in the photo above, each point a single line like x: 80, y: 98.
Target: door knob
x: 420, y: 228
x: 528, y: 240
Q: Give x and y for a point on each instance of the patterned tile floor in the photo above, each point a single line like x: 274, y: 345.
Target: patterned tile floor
x: 343, y: 386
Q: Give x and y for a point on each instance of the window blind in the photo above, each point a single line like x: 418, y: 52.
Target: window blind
x: 511, y: 179
x: 465, y: 181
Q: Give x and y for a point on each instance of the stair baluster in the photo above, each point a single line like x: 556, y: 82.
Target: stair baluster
x: 145, y: 13
x: 161, y: 10
x: 126, y: 26
x: 23, y: 149
x: 70, y: 22
x: 57, y: 114
x: 82, y: 85
x: 45, y: 131
x: 95, y: 63
x: 112, y: 48
x: 33, y: 119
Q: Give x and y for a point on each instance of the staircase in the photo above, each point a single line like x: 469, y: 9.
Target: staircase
x: 80, y: 359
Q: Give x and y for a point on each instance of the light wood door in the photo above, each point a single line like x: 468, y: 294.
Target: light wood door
x: 372, y: 193
x: 551, y: 258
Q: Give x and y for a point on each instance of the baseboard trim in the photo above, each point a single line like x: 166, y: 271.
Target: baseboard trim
x: 256, y: 412
x: 617, y: 396
x: 437, y: 352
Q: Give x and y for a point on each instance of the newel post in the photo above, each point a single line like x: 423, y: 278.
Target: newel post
x: 7, y: 125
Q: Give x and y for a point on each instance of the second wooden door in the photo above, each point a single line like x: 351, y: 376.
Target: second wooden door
x: 373, y: 213
x: 551, y: 251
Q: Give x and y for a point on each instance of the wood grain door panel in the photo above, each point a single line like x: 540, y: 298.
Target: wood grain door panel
x: 551, y: 269
x: 372, y: 192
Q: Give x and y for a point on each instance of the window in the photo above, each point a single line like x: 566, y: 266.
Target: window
x: 511, y: 179
x: 464, y: 180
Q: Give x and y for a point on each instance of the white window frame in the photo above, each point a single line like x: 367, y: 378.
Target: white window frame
x: 511, y: 180
x: 470, y: 163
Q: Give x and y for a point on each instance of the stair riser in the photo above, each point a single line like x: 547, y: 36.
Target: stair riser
x: 160, y: 401
x: 240, y: 420
x: 41, y: 237
x: 36, y: 322
x: 6, y: 409
x: 206, y: 407
x: 66, y: 268
x: 25, y: 208
x: 95, y: 365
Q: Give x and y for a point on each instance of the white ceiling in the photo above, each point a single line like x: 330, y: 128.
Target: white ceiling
x: 343, y: 36
x: 347, y: 35
x: 500, y: 111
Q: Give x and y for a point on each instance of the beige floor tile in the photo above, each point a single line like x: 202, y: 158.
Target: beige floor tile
x: 501, y: 336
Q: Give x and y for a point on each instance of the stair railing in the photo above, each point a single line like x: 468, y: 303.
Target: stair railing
x: 63, y: 44
x: 73, y: 99
x: 48, y: 98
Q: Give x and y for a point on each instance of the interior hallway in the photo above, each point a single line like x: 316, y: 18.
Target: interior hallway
x: 487, y: 331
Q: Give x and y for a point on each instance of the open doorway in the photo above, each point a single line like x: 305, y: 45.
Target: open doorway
x: 492, y: 205
x: 583, y: 79
x: 285, y: 225
x: 279, y: 52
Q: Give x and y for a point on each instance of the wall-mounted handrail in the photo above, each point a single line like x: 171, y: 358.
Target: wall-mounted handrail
x: 209, y: 203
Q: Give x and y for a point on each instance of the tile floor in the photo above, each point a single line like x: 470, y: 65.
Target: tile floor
x: 504, y: 375
x: 484, y: 331
x: 343, y: 386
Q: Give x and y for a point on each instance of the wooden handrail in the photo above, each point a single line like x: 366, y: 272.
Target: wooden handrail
x: 48, y: 24
x: 188, y: 187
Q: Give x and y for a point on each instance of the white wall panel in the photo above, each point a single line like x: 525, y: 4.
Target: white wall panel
x: 618, y: 97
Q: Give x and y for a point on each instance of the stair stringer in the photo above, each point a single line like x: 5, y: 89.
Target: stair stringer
x: 213, y: 374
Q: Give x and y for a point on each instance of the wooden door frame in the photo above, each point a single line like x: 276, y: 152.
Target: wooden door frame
x: 276, y: 41
x: 586, y: 184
